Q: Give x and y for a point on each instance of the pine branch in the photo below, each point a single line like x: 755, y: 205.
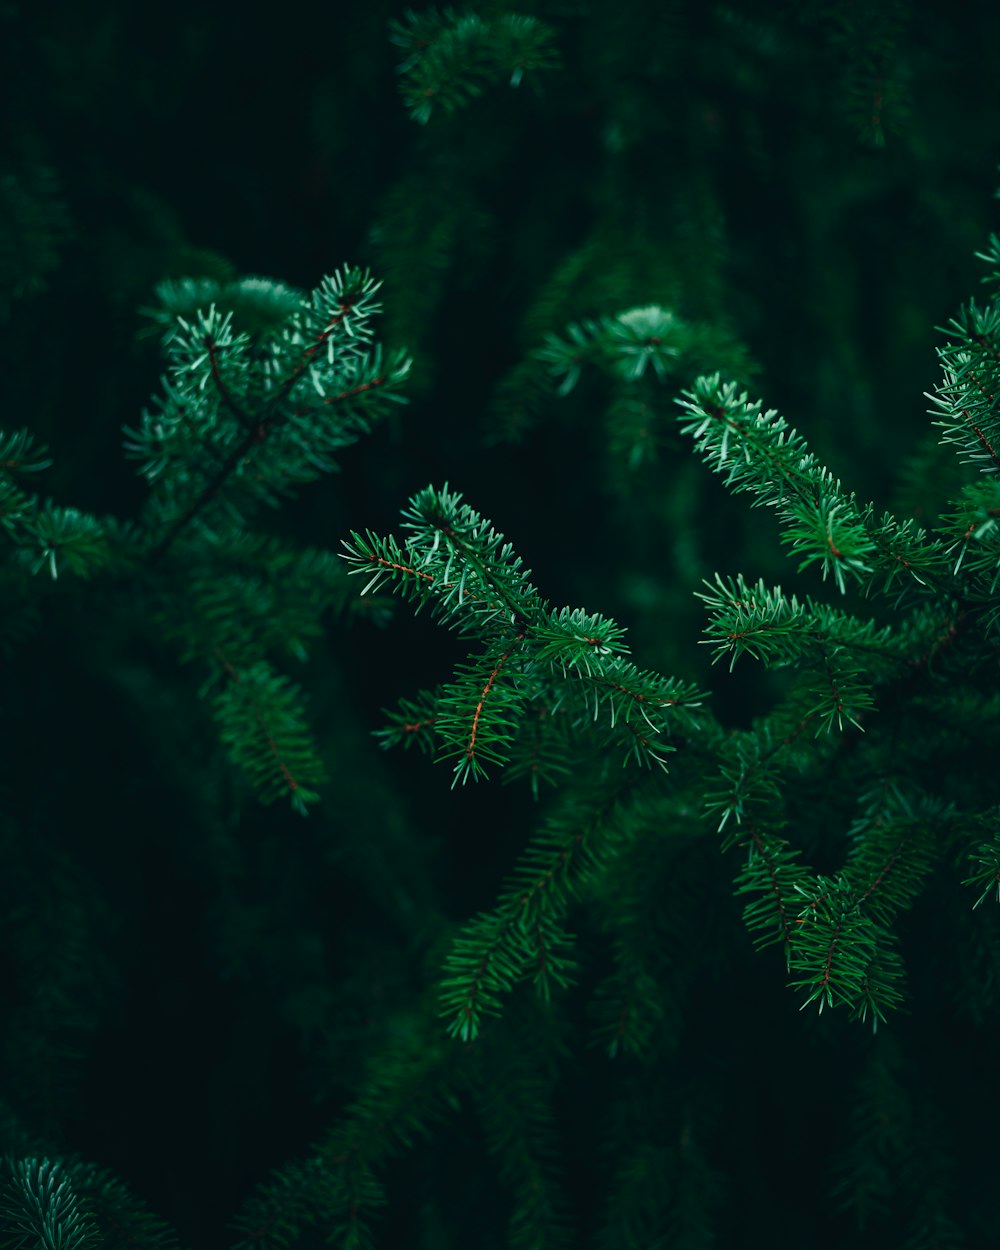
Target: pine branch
x: 968, y: 396
x: 295, y: 1198
x: 762, y: 454
x: 772, y: 874
x: 259, y: 595
x: 567, y: 665
x: 880, y: 1123
x: 39, y: 1206
x: 521, y: 937
x: 867, y: 44
x: 413, y: 1084
x: 537, y: 662
x: 125, y: 1222
x: 514, y: 1101
x: 658, y: 892
x: 451, y: 57
x: 261, y: 726
x: 35, y: 226
x: 248, y: 417
x: 662, y: 1192
x: 47, y: 535
x: 843, y: 956
x: 986, y: 857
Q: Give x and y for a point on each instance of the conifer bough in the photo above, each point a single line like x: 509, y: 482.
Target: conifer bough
x: 549, y: 694
x: 264, y: 386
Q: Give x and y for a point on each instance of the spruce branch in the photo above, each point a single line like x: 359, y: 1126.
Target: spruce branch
x: 894, y: 850
x: 992, y: 258
x: 543, y: 750
x: 488, y: 568
x: 260, y: 723
x: 761, y: 453
x: 35, y: 226
x: 258, y: 595
x: 520, y: 936
x: 450, y: 57
x: 648, y: 902
x: 985, y: 859
x: 777, y: 629
x: 747, y: 775
x: 843, y: 946
x: 479, y: 713
x: 488, y: 960
x: 45, y: 535
x: 773, y: 876
x: 635, y: 342
x: 15, y: 506
x: 247, y: 417
x: 413, y: 722
x: 976, y: 542
x: 124, y: 1221
x: 624, y: 345
x: 539, y: 668
x: 69, y: 537
x: 864, y: 1173
x: 298, y: 1196
x: 40, y: 1207
x: 260, y: 306
x: 627, y: 1009
x: 61, y: 1202
x: 637, y: 350
x: 844, y: 957
x: 875, y: 95
x: 840, y: 941
x: 414, y: 1083
x: 759, y: 450
x: 19, y: 453
x: 968, y: 399
x: 515, y: 1101
x: 454, y: 560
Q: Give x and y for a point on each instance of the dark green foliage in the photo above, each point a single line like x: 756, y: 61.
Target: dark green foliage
x: 40, y: 1208
x: 34, y: 226
x: 719, y: 963
x: 450, y: 56
x: 69, y: 1205
x: 304, y: 378
x: 836, y: 930
x: 405, y: 1094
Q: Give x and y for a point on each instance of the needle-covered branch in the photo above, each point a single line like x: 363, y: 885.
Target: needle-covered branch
x: 968, y: 400
x: 44, y: 535
x: 451, y: 57
x: 260, y: 721
x: 523, y: 936
x: 761, y: 453
x: 544, y: 686
x: 545, y: 676
x: 247, y: 416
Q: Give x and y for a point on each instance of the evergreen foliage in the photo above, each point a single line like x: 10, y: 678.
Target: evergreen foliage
x: 248, y: 416
x: 739, y: 978
x: 537, y: 668
x: 451, y: 55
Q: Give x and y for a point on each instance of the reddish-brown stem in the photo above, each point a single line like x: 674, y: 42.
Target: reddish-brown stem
x: 470, y: 749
